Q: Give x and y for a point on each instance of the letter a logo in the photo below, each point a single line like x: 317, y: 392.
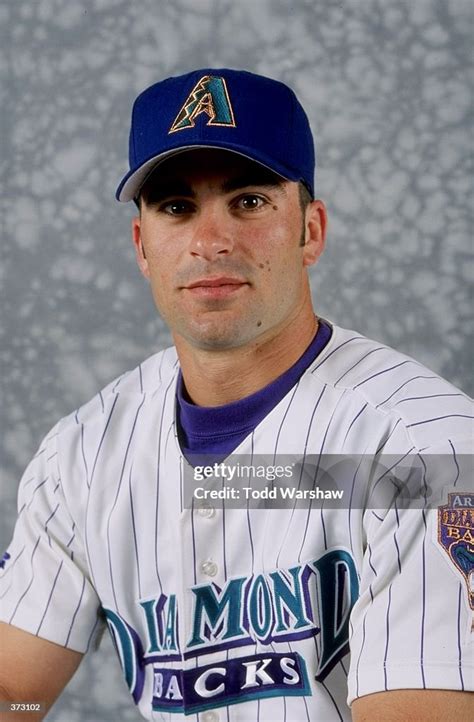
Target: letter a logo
x: 208, y: 96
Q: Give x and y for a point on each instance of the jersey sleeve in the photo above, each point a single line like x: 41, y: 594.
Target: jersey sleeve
x: 44, y: 584
x: 412, y: 626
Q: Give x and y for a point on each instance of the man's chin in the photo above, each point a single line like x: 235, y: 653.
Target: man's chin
x: 218, y: 337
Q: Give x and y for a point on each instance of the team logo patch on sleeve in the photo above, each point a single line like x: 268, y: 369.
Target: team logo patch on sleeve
x: 208, y: 96
x: 456, y: 535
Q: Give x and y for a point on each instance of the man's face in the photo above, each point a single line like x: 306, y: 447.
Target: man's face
x: 219, y: 238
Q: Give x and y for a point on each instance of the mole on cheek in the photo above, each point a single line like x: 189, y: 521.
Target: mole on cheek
x: 260, y: 265
x: 259, y: 323
x: 275, y: 208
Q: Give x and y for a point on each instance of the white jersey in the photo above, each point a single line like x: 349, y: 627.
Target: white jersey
x: 253, y: 614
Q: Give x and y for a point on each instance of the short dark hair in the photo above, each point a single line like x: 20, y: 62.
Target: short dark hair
x: 305, y: 199
x: 305, y: 196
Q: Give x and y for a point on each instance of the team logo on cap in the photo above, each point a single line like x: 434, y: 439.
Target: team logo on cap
x: 208, y: 96
x: 456, y: 535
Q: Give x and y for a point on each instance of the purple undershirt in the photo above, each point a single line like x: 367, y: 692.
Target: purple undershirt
x: 218, y: 430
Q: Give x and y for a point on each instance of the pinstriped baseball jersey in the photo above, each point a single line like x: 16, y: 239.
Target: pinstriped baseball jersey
x: 249, y: 613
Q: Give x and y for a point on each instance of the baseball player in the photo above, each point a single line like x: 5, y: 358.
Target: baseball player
x: 274, y: 517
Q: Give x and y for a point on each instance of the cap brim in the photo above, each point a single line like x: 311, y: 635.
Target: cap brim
x: 130, y: 185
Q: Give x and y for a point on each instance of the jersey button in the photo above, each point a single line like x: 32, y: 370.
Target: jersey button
x: 210, y: 717
x: 206, y: 511
x: 209, y: 568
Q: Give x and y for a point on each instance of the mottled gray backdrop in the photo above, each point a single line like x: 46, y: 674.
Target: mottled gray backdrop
x: 387, y: 86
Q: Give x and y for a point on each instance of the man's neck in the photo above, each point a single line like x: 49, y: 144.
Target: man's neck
x: 218, y: 377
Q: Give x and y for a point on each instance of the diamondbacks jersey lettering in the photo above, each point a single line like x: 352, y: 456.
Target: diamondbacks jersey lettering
x: 253, y: 613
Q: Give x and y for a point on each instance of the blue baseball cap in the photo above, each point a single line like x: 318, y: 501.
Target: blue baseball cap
x: 234, y: 110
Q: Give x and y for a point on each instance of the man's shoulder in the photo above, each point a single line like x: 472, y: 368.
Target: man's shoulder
x: 146, y: 380
x: 354, y: 362
x: 393, y: 383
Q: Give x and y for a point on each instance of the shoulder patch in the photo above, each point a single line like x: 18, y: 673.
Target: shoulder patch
x: 456, y: 535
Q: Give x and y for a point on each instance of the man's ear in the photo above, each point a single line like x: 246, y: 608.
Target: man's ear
x: 139, y: 249
x: 315, y: 232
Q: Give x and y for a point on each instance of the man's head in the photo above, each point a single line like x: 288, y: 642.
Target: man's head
x: 227, y: 224
x: 226, y: 246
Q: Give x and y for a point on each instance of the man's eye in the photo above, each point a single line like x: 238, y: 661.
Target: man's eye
x: 176, y: 208
x: 250, y: 202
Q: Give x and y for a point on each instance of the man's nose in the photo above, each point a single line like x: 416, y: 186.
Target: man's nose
x: 212, y: 235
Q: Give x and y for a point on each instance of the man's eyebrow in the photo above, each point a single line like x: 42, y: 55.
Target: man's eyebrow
x: 163, y: 188
x: 168, y: 187
x: 267, y: 180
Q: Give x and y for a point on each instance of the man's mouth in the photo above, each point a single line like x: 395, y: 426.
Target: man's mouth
x: 217, y: 287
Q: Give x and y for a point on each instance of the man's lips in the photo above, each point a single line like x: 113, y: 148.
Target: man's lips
x: 215, y: 282
x: 216, y: 287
